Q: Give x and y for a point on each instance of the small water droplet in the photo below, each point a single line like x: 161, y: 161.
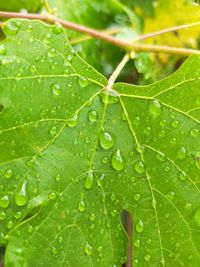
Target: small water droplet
x: 109, y: 97
x: 183, y: 176
x: 53, y: 130
x: 139, y: 226
x: 8, y: 174
x: 60, y: 239
x: 2, y: 216
x: 18, y: 215
x: 155, y: 108
x: 147, y: 258
x: 57, y: 29
x: 181, y: 154
x: 58, y: 177
x: 54, y: 250
x: 88, y: 249
x: 106, y: 139
x: 137, y: 243
x: 92, y: 115
x: 194, y: 133
x: 175, y: 124
x: 137, y: 197
x: 56, y: 89
x: 197, y: 159
x: 2, y: 50
x: 52, y: 196
x: 10, y: 225
x: 21, y: 195
x: 89, y: 180
x: 73, y: 121
x: 4, y: 201
x: 11, y: 27
x: 117, y: 161
x: 81, y: 206
x: 139, y: 167
x: 197, y: 217
x: 92, y: 217
x: 83, y: 81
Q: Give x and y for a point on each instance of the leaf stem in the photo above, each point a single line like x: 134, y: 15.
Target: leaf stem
x: 171, y: 29
x: 127, y: 45
x: 117, y: 71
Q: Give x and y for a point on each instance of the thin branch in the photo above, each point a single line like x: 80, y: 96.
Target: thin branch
x: 130, y: 46
x: 117, y: 71
x: 171, y: 29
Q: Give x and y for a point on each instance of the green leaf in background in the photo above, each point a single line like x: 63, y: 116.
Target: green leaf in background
x: 74, y: 156
x: 17, y: 5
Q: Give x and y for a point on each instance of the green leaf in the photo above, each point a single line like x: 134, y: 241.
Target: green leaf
x: 16, y: 5
x: 74, y: 156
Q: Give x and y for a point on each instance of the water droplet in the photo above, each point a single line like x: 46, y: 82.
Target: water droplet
x: 92, y: 217
x: 53, y: 130
x: 54, y: 250
x: 197, y: 217
x: 183, y: 176
x: 137, y: 243
x: 175, y: 124
x: 181, y: 154
x: 83, y: 81
x: 155, y: 108
x: 2, y: 216
x: 4, y: 201
x: 51, y: 52
x: 117, y: 161
x: 21, y: 195
x: 56, y: 89
x: 73, y: 121
x: 139, y: 226
x: 8, y: 174
x: 107, y: 140
x: 109, y: 97
x: 147, y: 258
x: 57, y: 29
x: 11, y: 27
x: 58, y: 177
x: 18, y: 215
x: 88, y: 249
x: 2, y: 50
x: 139, y: 167
x: 100, y: 180
x: 10, y: 225
x: 60, y: 239
x: 89, y: 180
x: 92, y: 115
x: 81, y: 206
x: 30, y: 228
x: 197, y: 157
x: 137, y: 197
x: 194, y: 133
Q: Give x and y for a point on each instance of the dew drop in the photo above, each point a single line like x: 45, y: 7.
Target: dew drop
x: 4, y: 201
x: 88, y: 249
x: 92, y: 217
x: 89, y: 180
x: 106, y: 139
x: 194, y: 133
x: 109, y: 97
x: 197, y: 217
x: 52, y: 196
x: 83, y: 81
x: 92, y: 115
x: 81, y: 206
x: 57, y: 29
x: 137, y: 243
x: 56, y: 89
x: 18, y: 215
x: 117, y: 161
x: 139, y: 167
x: 181, y: 154
x: 58, y: 177
x: 2, y: 50
x: 139, y: 226
x: 155, y: 108
x: 11, y: 27
x: 8, y: 174
x: 73, y: 121
x: 54, y: 250
x: 60, y: 239
x: 175, y: 124
x: 2, y: 216
x: 53, y: 130
x: 147, y: 258
x: 51, y: 52
x: 137, y: 197
x: 183, y: 176
x: 21, y: 195
x: 10, y: 225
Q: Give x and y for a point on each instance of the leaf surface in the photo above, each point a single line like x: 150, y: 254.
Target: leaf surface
x: 17, y: 5
x: 74, y: 156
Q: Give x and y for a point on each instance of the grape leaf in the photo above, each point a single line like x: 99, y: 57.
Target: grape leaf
x: 74, y: 156
x: 17, y: 5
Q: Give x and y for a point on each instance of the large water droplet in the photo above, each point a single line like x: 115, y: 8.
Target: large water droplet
x: 139, y: 167
x: 89, y: 180
x: 139, y: 226
x: 117, y: 161
x: 155, y: 108
x: 11, y: 27
x: 83, y: 81
x: 109, y: 97
x: 4, y: 201
x: 21, y: 195
x: 106, y: 139
x: 73, y: 121
x: 88, y: 249
x: 56, y: 89
x: 92, y: 115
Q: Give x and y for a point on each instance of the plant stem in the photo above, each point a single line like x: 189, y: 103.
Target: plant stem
x: 130, y: 46
x: 171, y: 29
x: 117, y: 71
